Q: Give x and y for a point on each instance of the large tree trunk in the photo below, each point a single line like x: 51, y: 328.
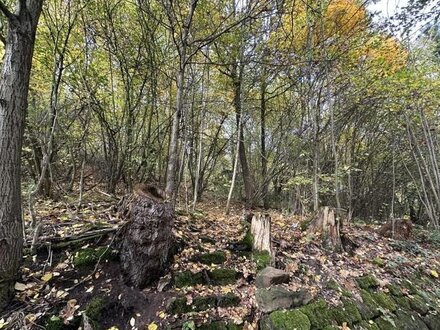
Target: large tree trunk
x: 148, y: 239
x: 14, y: 86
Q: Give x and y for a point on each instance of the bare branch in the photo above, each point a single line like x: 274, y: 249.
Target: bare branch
x: 9, y: 15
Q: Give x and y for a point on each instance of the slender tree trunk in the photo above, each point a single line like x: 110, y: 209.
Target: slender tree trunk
x: 264, y: 189
x: 234, y: 174
x: 247, y: 181
x: 174, y: 142
x: 14, y: 87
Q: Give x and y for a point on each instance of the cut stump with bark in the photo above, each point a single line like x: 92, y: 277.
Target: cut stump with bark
x: 148, y: 240
x: 326, y: 223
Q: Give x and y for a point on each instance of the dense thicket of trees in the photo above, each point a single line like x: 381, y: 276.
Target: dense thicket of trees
x: 283, y: 104
x: 321, y: 107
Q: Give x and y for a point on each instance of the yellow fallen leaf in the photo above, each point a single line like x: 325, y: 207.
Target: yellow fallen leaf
x: 152, y: 326
x: 434, y: 273
x: 226, y: 289
x: 3, y: 323
x: 162, y: 315
x: 47, y: 277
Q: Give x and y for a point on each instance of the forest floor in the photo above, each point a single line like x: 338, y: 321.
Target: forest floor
x: 61, y: 281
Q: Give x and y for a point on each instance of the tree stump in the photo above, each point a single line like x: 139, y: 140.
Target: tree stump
x: 147, y: 239
x: 325, y: 222
x: 261, y: 233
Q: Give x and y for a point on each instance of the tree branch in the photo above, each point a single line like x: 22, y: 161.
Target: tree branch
x: 10, y: 16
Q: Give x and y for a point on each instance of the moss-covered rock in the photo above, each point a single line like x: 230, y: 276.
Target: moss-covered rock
x: 223, y: 276
x: 262, y: 259
x: 367, y: 282
x: 54, y: 323
x: 402, y: 302
x: 188, y: 278
x: 409, y: 321
x: 228, y: 300
x: 384, y: 301
x: 203, y: 303
x: 395, y: 290
x: 412, y: 289
x: 286, y: 320
x: 386, y: 322
x: 366, y: 325
x: 318, y: 313
x: 369, y: 308
x: 219, y: 325
x: 432, y: 320
x: 278, y: 297
x: 418, y: 304
x: 216, y: 258
x: 178, y: 305
x: 348, y: 313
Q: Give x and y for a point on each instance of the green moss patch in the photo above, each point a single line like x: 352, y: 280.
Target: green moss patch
x: 223, y: 276
x: 418, y: 304
x: 94, y: 308
x: 367, y: 282
x: 180, y: 305
x: 262, y: 259
x: 402, y: 302
x: 216, y: 258
x: 318, y: 313
x: 90, y: 256
x: 54, y: 323
x: 219, y: 325
x: 395, y: 290
x: 384, y: 301
x: 228, y: 300
x: 348, y: 313
x: 366, y: 325
x: 286, y: 320
x: 386, y: 323
x: 188, y: 278
x: 408, y: 321
x: 248, y: 240
x: 369, y: 308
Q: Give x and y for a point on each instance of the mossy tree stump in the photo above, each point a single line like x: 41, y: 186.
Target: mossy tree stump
x: 147, y: 238
x: 326, y: 223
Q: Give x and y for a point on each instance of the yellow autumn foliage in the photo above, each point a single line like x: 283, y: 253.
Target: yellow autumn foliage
x: 328, y: 30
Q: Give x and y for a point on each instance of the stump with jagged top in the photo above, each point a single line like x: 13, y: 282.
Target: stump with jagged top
x: 326, y: 223
x: 147, y: 242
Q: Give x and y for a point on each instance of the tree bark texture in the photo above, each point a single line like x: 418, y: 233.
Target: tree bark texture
x: 14, y: 86
x: 261, y: 233
x: 148, y: 238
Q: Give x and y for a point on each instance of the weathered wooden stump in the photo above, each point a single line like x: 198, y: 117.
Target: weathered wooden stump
x: 261, y: 233
x: 325, y: 222
x: 147, y: 239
